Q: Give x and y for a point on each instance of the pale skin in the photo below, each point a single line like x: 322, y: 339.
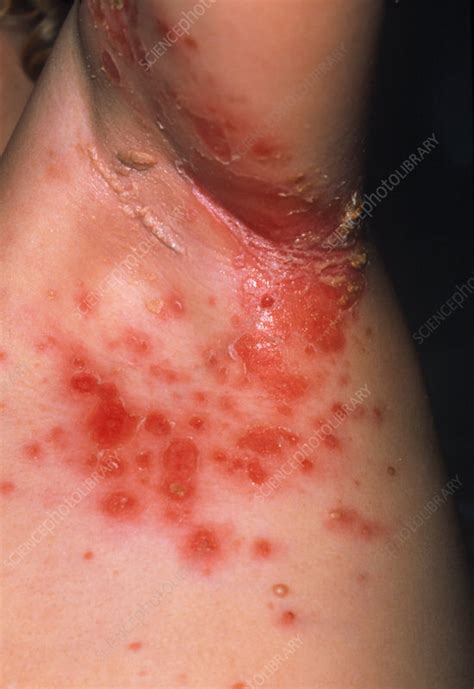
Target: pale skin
x: 363, y: 603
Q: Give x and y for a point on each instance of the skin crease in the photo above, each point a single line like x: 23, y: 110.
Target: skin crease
x: 15, y: 87
x: 181, y: 575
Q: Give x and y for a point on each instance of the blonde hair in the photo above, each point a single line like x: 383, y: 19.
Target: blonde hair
x: 40, y: 22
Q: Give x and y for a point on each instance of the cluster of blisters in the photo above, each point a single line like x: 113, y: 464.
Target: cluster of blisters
x: 238, y: 426
x: 167, y: 465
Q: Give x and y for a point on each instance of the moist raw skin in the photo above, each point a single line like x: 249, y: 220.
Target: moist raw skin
x: 215, y: 432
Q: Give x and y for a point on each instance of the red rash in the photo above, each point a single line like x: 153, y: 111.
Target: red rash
x: 164, y: 467
x: 175, y: 438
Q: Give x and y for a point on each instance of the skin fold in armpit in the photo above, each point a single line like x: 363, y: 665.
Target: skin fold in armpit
x: 215, y: 430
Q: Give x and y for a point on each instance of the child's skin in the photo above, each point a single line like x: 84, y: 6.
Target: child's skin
x: 215, y: 430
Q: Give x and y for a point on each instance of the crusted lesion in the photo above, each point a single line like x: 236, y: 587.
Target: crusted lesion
x: 137, y: 159
x: 128, y: 194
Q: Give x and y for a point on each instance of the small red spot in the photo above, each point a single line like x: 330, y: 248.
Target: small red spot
x: 285, y: 410
x: 196, y: 422
x: 267, y: 301
x: 307, y: 466
x: 200, y: 396
x: 266, y: 440
x: 285, y: 385
x: 255, y: 472
x: 213, y: 134
x: 3, y: 355
x: 57, y: 436
x: 331, y: 441
x: 33, y: 451
x: 143, y: 461
x: 86, y: 302
x: 288, y: 618
x: 334, y: 340
x: 88, y: 555
x: 136, y: 342
x: 165, y: 373
x: 257, y: 353
x: 226, y: 402
x: 135, y: 645
x: 362, y: 577
x: 109, y: 464
x: 378, y: 414
x: 7, y: 487
x: 46, y: 344
x: 235, y: 320
x: 120, y: 504
x: 262, y: 548
x: 162, y: 27
x: 55, y: 172
x: 264, y: 149
x: 189, y: 42
x: 180, y: 462
x: 84, y: 382
x: 347, y: 520
x: 107, y: 391
x: 173, y: 307
x: 237, y: 465
x: 202, y: 543
x: 219, y: 456
x: 157, y: 424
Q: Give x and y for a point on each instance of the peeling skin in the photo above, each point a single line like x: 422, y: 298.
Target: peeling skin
x: 138, y: 160
x: 245, y: 166
x: 127, y: 196
x: 191, y: 415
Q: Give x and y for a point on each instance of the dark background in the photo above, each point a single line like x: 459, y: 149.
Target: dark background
x: 423, y: 228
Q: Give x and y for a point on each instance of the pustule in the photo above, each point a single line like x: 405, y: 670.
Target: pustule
x: 179, y: 439
x: 210, y: 385
x: 253, y: 162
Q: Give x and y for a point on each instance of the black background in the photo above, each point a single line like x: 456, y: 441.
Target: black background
x: 423, y: 228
